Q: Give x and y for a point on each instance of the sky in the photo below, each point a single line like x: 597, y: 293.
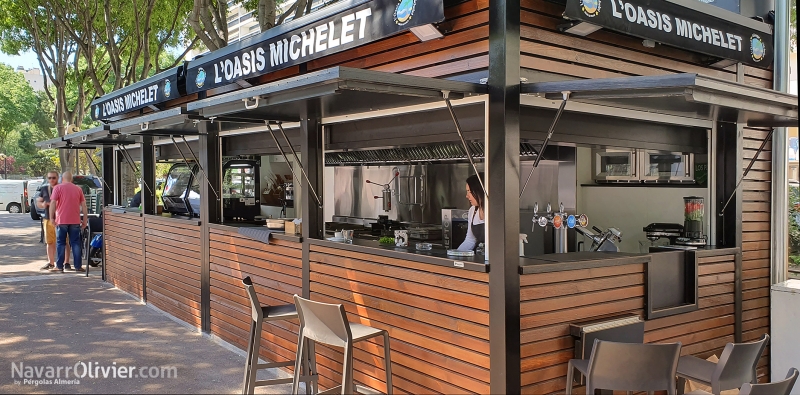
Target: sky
x: 27, y: 60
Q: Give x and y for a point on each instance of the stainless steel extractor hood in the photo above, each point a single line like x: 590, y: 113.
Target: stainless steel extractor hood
x: 435, y: 153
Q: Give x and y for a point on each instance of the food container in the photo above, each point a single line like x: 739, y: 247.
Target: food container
x: 693, y: 216
x: 401, y: 238
x: 424, y: 246
x: 275, y: 224
x: 292, y: 228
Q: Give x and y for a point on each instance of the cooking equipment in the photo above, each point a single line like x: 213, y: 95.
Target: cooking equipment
x: 602, y: 240
x: 693, y: 222
x: 386, y: 193
x: 659, y: 230
x: 455, y: 224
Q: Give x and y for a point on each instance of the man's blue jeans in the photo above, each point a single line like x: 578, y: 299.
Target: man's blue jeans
x: 74, y: 232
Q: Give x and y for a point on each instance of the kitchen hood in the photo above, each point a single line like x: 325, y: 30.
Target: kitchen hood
x: 447, y: 152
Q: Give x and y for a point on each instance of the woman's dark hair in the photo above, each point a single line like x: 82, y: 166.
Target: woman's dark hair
x: 474, y: 184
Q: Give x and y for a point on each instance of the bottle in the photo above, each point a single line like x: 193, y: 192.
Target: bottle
x: 480, y: 250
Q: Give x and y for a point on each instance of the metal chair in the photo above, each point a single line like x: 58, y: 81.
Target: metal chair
x: 327, y: 324
x: 783, y: 387
x: 627, y: 367
x: 261, y: 314
x: 736, y: 365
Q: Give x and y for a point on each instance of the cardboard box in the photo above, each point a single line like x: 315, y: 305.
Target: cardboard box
x: 292, y: 228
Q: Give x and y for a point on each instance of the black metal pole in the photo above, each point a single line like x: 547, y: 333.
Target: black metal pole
x: 503, y: 172
x: 210, y: 210
x: 148, y: 166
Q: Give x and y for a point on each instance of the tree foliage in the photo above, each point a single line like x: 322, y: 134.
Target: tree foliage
x: 17, y: 102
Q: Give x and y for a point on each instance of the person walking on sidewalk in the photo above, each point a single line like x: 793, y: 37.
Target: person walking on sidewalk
x: 43, y: 203
x: 66, y: 204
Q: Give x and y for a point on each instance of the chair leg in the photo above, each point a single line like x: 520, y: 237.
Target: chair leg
x: 249, y: 367
x: 681, y: 387
x: 298, y: 361
x: 348, y: 386
x: 387, y: 363
x: 570, y: 372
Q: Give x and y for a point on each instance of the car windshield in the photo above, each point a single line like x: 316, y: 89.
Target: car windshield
x: 177, y: 180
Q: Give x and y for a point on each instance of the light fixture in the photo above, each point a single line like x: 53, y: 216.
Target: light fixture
x: 426, y: 32
x: 648, y: 43
x: 579, y: 28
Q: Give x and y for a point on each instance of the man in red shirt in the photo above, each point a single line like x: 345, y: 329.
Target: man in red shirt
x: 66, y: 204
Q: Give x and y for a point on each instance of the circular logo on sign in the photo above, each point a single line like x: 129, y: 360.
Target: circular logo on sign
x: 404, y: 11
x: 558, y: 221
x: 201, y: 78
x: 590, y: 7
x: 542, y: 221
x: 571, y: 221
x: 583, y: 220
x: 167, y: 88
x: 757, y: 48
x: 97, y: 111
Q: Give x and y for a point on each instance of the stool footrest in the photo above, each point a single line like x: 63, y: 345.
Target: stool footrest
x: 274, y: 365
x: 261, y: 383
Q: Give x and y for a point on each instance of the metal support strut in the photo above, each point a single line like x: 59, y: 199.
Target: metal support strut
x: 446, y: 95
x: 297, y: 159
x: 135, y: 169
x: 205, y: 177
x: 747, y: 170
x: 96, y: 168
x: 565, y: 98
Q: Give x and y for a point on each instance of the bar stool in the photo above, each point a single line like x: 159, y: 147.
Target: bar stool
x: 327, y: 324
x: 783, y: 387
x: 261, y: 314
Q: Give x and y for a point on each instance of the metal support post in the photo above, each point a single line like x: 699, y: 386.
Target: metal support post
x: 210, y: 210
x: 779, y: 255
x: 148, y: 166
x: 311, y: 151
x: 503, y: 173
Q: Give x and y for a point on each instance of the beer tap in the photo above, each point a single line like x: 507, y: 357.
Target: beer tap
x: 549, y: 217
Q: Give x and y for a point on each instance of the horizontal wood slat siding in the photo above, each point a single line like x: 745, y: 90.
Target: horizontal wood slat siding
x: 606, y: 54
x: 172, y: 250
x: 122, y: 241
x: 437, y: 318
x: 756, y: 243
x: 550, y: 302
x: 276, y: 270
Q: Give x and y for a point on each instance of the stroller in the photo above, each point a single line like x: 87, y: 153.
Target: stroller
x: 95, y: 253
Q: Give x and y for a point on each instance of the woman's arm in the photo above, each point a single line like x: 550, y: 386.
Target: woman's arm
x: 470, y: 240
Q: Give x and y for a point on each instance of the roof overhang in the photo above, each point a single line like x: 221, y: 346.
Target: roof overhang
x: 87, y: 139
x: 173, y: 122
x: 686, y: 95
x: 339, y: 90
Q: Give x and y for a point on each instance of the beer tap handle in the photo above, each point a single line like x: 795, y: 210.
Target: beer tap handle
x: 561, y: 207
x: 535, y: 208
x: 549, y: 209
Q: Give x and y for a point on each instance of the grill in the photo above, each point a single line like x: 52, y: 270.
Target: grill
x: 428, y: 153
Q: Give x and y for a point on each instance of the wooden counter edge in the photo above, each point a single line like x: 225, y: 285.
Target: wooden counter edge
x: 531, y: 266
x: 446, y: 262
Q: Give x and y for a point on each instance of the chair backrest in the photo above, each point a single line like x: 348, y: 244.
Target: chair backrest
x: 257, y: 312
x: 737, y: 364
x: 778, y: 388
x: 633, y: 367
x: 323, y: 322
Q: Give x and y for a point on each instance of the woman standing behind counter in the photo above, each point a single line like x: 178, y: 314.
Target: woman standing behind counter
x: 476, y: 232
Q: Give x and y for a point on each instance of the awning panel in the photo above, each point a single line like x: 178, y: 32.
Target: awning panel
x: 173, y: 122
x: 688, y: 95
x: 341, y: 91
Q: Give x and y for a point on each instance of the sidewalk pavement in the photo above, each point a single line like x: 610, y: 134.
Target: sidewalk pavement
x: 61, y: 320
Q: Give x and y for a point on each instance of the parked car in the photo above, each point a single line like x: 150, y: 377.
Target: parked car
x: 92, y: 188
x: 32, y: 193
x: 13, y: 196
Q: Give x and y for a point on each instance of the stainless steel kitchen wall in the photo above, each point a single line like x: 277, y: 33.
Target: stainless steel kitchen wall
x: 442, y: 186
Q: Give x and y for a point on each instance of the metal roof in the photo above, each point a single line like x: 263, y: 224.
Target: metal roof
x: 340, y: 91
x: 688, y: 95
